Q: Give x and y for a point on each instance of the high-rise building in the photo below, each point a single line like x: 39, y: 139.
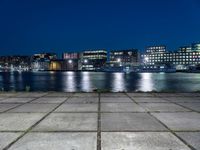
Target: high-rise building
x: 93, y: 59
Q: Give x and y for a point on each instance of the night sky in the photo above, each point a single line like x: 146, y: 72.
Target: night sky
x: 32, y: 26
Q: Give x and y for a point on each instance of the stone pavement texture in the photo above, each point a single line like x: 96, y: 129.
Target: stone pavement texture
x: 99, y: 121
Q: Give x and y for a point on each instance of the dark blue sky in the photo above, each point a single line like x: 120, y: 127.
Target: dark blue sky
x: 32, y: 26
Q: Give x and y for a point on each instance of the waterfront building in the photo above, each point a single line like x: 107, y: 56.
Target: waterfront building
x: 70, y: 55
x: 129, y: 57
x: 56, y: 65
x: 93, y: 60
x: 72, y: 61
x: 17, y: 62
x: 156, y: 55
x: 123, y: 60
x: 183, y: 58
x: 42, y: 61
x: 44, y: 57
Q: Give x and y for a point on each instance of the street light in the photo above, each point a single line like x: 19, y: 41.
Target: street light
x: 118, y: 60
x: 70, y: 61
x: 146, y: 59
x: 85, y: 61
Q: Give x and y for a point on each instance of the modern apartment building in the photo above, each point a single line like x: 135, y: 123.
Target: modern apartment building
x: 181, y: 59
x: 93, y: 59
x: 129, y: 57
x: 16, y: 62
x: 71, y: 61
x: 42, y: 61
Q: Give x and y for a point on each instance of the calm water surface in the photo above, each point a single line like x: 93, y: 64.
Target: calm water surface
x: 88, y: 81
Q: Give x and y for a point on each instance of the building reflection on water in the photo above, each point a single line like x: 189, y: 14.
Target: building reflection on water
x: 118, y: 82
x: 88, y: 81
x: 69, y: 83
x: 86, y: 84
x: 146, y: 82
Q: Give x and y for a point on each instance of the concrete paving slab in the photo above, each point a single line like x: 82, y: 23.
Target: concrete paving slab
x: 115, y: 100
x: 180, y: 121
x: 129, y: 122
x: 141, y: 141
x: 167, y: 94
x: 49, y: 100
x: 189, y: 94
x: 85, y: 95
x: 1, y: 98
x: 57, y: 141
x: 18, y: 121
x: 149, y: 100
x: 162, y: 107
x: 59, y: 94
x: 30, y: 94
x: 4, y: 107
x: 68, y: 122
x: 184, y: 99
x: 43, y: 108
x: 121, y: 107
x: 77, y: 108
x: 16, y: 100
x: 193, y: 106
x: 83, y: 100
x: 192, y: 138
x: 7, y: 94
x: 113, y: 95
x: 7, y: 137
x: 140, y: 94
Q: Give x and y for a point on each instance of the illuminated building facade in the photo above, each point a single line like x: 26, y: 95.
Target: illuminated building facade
x: 128, y: 57
x: 71, y: 61
x: 42, y: 61
x: 15, y: 62
x: 56, y: 65
x: 93, y: 59
x: 181, y: 59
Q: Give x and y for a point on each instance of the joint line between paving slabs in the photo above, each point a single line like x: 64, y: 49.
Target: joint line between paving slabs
x: 99, y: 124
x: 131, y: 98
x: 29, y: 129
x: 188, y: 145
x: 21, y: 103
x: 176, y: 103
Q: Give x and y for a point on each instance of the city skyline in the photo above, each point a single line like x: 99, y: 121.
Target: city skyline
x: 29, y: 27
x: 142, y: 51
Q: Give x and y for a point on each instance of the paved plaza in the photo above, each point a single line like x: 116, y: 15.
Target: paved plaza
x: 99, y: 121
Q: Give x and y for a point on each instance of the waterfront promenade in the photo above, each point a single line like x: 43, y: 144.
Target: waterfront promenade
x: 99, y: 121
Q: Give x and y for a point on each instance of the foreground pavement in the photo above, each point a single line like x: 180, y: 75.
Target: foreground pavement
x: 100, y: 121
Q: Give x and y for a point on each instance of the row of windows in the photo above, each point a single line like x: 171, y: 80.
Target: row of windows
x: 175, y: 60
x: 95, y: 56
x: 151, y: 57
x: 173, y: 54
x: 194, y: 58
x: 180, y: 63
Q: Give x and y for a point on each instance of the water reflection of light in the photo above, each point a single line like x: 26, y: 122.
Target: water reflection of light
x: 118, y: 82
x: 52, y: 72
x: 146, y: 82
x: 69, y: 82
x: 85, y: 82
x: 12, y: 81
